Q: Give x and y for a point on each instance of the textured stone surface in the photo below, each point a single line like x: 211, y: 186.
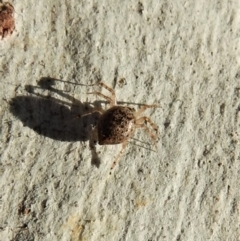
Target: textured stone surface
x: 183, y: 55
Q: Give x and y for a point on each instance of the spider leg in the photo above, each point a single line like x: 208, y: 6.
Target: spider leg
x: 141, y: 123
x: 149, y: 133
x: 109, y: 99
x: 113, y: 95
x: 112, y: 100
x: 124, y: 144
x: 100, y: 94
x: 99, y: 111
x: 145, y: 119
x: 143, y: 108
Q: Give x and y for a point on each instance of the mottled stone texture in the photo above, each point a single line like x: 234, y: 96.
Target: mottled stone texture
x: 182, y: 55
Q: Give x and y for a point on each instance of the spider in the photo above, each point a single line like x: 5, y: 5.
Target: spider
x: 118, y: 123
x: 7, y: 23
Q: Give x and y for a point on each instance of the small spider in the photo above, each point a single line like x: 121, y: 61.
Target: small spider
x: 7, y: 23
x: 118, y: 123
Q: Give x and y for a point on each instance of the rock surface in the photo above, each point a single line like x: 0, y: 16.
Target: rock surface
x: 182, y: 55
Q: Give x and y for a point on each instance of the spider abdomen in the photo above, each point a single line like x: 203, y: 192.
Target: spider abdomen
x: 116, y: 125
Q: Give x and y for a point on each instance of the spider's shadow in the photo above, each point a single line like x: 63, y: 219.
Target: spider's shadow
x: 53, y: 118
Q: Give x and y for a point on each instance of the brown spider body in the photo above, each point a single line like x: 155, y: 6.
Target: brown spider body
x: 116, y: 125
x: 7, y: 23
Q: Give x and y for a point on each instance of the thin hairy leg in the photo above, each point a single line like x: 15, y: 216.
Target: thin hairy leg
x: 124, y: 144
x: 149, y: 133
x: 113, y: 96
x: 143, y: 108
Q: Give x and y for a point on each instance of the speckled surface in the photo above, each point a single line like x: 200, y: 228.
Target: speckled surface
x: 182, y: 55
